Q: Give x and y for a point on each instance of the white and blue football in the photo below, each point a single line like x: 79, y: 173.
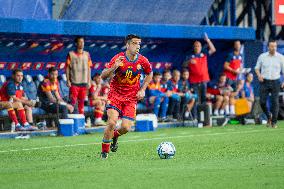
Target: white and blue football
x: 166, y: 150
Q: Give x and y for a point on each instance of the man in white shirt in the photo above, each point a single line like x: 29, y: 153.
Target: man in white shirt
x: 268, y: 68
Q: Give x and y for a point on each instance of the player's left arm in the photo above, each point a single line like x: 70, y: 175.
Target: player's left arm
x: 89, y: 71
x: 211, y: 46
x: 147, y: 80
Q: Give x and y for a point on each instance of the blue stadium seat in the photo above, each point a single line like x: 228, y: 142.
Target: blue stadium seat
x: 30, y: 87
x: 3, y: 113
x: 38, y: 111
x: 64, y: 90
x: 38, y: 79
x: 2, y: 80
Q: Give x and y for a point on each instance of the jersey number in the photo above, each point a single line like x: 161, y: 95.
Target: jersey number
x: 128, y: 74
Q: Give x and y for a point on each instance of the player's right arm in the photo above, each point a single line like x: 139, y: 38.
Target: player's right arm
x: 12, y: 93
x: 112, y: 66
x: 227, y: 65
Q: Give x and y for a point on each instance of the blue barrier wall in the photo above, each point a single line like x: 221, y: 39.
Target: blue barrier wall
x: 121, y: 29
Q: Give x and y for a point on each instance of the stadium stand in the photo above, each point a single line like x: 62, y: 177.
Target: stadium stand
x: 161, y: 12
x: 34, y: 9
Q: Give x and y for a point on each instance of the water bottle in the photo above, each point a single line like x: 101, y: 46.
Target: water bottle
x: 13, y: 127
x: 44, y: 124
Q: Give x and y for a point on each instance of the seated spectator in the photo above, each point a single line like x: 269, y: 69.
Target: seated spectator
x: 221, y: 96
x: 10, y: 107
x: 238, y: 93
x: 248, y: 89
x: 13, y: 91
x: 49, y: 95
x: 97, y: 99
x: 156, y: 97
x: 168, y: 87
x: 187, y: 96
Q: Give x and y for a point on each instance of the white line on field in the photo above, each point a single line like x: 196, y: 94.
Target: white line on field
x: 133, y: 140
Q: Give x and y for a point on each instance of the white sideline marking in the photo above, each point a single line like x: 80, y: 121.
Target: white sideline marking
x: 137, y: 140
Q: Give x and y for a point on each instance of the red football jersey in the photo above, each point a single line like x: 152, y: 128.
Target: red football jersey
x: 235, y: 63
x: 9, y: 89
x: 198, y: 68
x: 126, y: 82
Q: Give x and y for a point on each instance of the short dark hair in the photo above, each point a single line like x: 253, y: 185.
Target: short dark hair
x: 77, y: 38
x: 16, y: 71
x: 184, y: 70
x: 271, y: 41
x: 156, y: 74
x: 52, y: 69
x: 131, y: 36
x: 167, y: 71
x: 223, y: 74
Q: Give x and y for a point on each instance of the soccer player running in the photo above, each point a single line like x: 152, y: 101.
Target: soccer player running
x: 125, y: 90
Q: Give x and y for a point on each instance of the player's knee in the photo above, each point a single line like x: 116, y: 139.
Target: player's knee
x: 220, y: 98
x: 28, y: 108
x: 112, y: 123
x: 226, y: 98
x: 18, y: 105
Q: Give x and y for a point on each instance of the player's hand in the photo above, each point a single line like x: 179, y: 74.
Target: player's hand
x: 282, y: 85
x: 70, y: 108
x: 140, y: 95
x: 260, y: 78
x: 206, y: 38
x: 68, y: 83
x: 238, y: 71
x: 31, y: 103
x: 118, y: 62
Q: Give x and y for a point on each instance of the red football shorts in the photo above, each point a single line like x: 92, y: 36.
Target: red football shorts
x: 126, y: 109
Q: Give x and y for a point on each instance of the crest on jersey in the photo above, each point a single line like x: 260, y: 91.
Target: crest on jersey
x: 193, y: 61
x: 138, y: 67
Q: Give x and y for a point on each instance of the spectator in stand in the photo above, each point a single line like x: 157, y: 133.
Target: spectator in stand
x: 221, y: 92
x: 157, y: 98
x: 49, y: 95
x: 97, y: 100
x: 13, y: 91
x: 197, y: 65
x: 232, y: 66
x: 188, y: 99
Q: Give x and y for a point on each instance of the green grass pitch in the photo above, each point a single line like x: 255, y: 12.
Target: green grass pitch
x: 228, y: 157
